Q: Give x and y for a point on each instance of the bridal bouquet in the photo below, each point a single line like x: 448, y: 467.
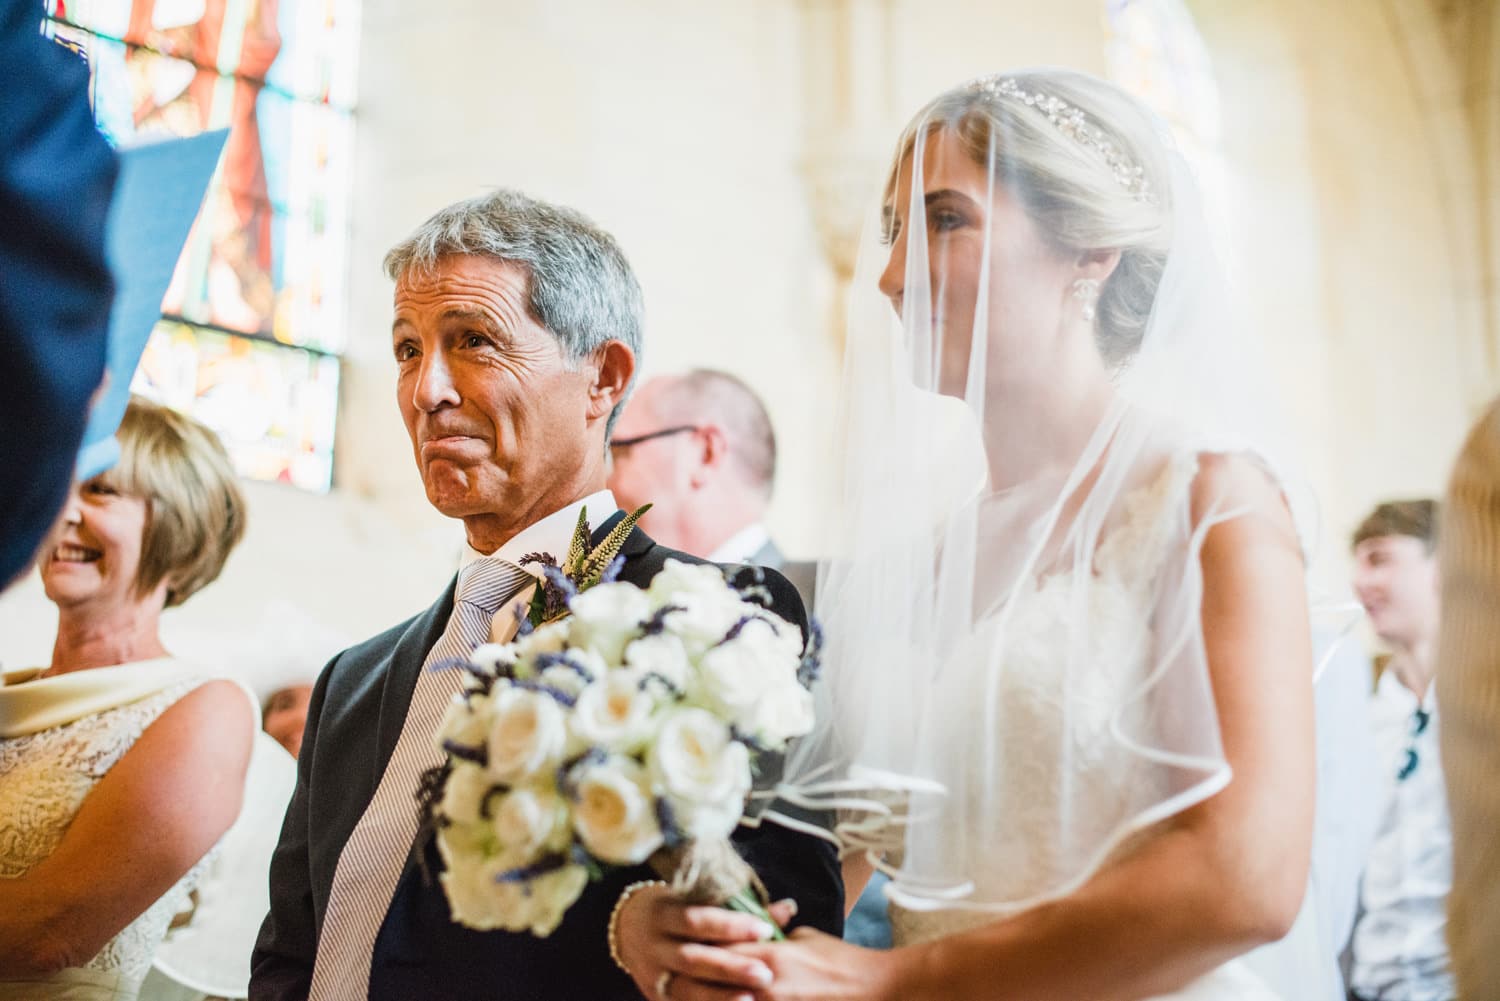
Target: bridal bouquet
x: 623, y: 725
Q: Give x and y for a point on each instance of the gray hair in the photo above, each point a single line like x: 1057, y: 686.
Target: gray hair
x: 709, y: 394
x: 580, y: 286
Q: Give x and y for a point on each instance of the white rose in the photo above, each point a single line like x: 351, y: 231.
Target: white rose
x: 608, y: 616
x: 564, y: 679
x: 464, y: 793
x: 734, y: 677
x: 530, y: 822
x: 663, y: 655
x: 703, y: 771
x: 783, y: 712
x: 584, y: 665
x: 615, y: 712
x: 493, y: 657
x: 458, y: 843
x: 474, y: 897
x: 479, y: 899
x: 551, y: 638
x: 528, y: 733
x: 464, y: 722
x: 550, y: 895
x: 676, y: 581
x: 780, y: 638
x: 703, y: 620
x: 614, y: 812
x: 705, y: 603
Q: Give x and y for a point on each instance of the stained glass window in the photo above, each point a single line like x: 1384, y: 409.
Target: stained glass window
x: 254, y: 320
x: 1156, y: 52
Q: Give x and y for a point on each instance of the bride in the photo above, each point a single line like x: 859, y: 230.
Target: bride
x: 1068, y: 692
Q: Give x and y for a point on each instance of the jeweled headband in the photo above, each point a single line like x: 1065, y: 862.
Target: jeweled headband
x: 1074, y: 124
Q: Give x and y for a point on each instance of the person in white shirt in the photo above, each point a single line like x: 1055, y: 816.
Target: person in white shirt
x: 700, y: 449
x: 1399, y: 949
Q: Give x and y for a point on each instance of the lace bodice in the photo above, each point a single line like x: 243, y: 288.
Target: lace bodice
x: 44, y: 778
x: 1047, y: 748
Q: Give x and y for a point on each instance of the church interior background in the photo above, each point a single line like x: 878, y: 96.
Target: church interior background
x: 1350, y: 149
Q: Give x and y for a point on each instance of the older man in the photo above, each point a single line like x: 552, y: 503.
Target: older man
x: 700, y: 448
x: 516, y: 332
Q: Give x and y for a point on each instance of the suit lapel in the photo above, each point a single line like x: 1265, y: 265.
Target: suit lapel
x: 404, y: 667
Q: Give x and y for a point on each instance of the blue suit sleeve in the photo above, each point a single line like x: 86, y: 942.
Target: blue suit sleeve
x: 56, y: 177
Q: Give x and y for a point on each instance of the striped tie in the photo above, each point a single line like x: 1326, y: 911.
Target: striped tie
x: 375, y: 854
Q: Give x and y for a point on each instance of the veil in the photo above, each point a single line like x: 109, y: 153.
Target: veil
x: 1015, y: 680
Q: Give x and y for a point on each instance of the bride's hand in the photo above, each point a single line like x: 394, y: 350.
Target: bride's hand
x: 813, y: 966
x: 664, y: 942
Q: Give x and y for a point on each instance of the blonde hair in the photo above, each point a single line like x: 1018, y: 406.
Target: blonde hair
x: 195, y: 513
x: 1066, y: 187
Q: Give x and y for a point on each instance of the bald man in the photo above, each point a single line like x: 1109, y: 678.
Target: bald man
x: 700, y: 449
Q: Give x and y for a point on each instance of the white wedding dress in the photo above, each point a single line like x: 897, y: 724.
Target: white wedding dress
x: 1126, y: 566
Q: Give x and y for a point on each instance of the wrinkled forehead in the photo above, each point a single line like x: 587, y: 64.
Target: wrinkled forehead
x: 461, y: 276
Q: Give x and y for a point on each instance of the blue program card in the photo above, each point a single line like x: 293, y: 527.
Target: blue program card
x: 160, y: 189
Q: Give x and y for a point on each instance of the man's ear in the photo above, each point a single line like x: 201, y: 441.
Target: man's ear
x: 614, y: 366
x: 713, y: 452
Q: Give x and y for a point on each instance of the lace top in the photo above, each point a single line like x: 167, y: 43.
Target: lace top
x: 44, y: 778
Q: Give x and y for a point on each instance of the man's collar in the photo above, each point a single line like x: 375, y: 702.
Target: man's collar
x: 742, y: 545
x: 553, y: 534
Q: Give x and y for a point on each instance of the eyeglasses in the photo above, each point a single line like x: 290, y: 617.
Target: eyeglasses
x: 663, y: 433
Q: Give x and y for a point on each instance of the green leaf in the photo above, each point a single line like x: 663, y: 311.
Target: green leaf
x: 536, y: 612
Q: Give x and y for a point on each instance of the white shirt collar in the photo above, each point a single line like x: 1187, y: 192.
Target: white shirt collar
x: 553, y: 534
x: 1393, y: 691
x: 742, y: 545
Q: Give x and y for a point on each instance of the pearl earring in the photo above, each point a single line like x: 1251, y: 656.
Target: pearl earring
x: 1086, y: 291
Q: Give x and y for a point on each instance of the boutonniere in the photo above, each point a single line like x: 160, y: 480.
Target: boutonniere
x: 584, y: 568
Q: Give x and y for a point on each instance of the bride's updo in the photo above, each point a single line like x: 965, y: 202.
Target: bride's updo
x: 1088, y: 164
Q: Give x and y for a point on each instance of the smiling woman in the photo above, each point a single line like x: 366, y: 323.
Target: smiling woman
x: 120, y: 767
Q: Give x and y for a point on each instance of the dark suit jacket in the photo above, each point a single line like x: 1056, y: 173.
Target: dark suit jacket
x: 802, y: 574
x: 357, y: 710
x: 56, y: 177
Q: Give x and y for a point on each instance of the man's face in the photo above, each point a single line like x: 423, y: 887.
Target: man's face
x: 498, y: 421
x: 286, y: 716
x: 656, y: 472
x: 1396, y: 580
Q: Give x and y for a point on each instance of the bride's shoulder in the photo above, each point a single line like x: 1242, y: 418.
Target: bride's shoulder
x: 1231, y: 484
